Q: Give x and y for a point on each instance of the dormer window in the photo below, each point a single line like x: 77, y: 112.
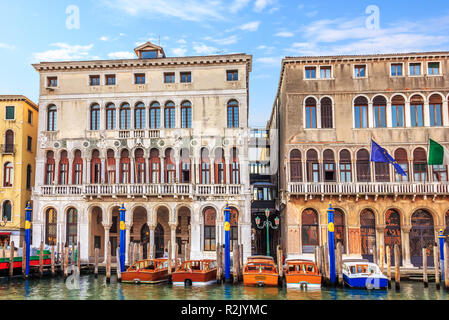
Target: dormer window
x: 149, y: 51
x: 149, y: 54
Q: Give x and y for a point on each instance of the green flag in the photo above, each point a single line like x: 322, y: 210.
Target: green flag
x: 437, y: 154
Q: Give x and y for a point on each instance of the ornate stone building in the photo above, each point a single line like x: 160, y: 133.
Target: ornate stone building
x: 327, y: 110
x: 168, y: 137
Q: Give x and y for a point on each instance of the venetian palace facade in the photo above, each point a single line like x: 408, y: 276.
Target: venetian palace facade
x: 167, y: 137
x: 326, y: 111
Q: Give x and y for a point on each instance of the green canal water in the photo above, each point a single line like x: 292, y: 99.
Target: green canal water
x: 97, y: 289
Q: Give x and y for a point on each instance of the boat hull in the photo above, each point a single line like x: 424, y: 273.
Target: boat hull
x: 260, y: 279
x: 195, y: 278
x: 145, y: 277
x: 301, y: 281
x: 366, y: 282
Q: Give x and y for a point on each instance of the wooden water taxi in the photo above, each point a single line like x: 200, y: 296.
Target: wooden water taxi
x: 302, y: 274
x: 363, y: 274
x: 195, y: 272
x: 17, y: 261
x: 260, y: 271
x: 147, y: 271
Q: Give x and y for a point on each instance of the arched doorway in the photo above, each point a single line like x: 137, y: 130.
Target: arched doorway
x: 50, y: 227
x: 183, y: 230
x: 368, y: 234
x: 309, y: 231
x: 96, y: 234
x: 234, y: 228
x: 145, y: 239
x: 340, y: 230
x: 159, y: 240
x: 139, y: 220
x: 422, y: 235
x: 71, y: 226
x: 392, y: 234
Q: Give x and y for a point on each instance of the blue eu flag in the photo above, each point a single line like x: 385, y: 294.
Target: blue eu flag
x: 379, y: 154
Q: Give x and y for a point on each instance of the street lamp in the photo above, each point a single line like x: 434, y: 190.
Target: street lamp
x: 267, y: 224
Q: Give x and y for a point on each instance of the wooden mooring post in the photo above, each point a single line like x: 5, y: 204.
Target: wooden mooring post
x: 446, y: 265
x: 41, y: 259
x: 66, y: 262
x: 24, y: 255
x: 436, y: 263
x: 11, y: 259
x: 148, y: 251
x: 108, y: 262
x: 340, y: 263
x: 235, y: 263
x: 176, y: 255
x: 280, y: 258
x: 424, y: 268
x: 241, y: 260
x: 388, y: 249
x: 169, y: 257
x: 140, y: 246
x: 52, y: 261
x: 4, y: 251
x: 130, y: 253
x: 326, y: 261
x: 397, y: 273
x: 62, y: 259
x: 381, y: 258
x: 96, y: 262
x: 218, y: 251
x: 78, y: 258
x: 119, y: 270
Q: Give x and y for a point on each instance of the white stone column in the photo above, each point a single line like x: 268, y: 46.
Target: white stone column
x: 117, y: 170
x: 127, y: 241
x: 132, y: 169
x: 147, y: 171
x: 83, y: 238
x: 196, y: 167
x: 445, y: 113
x: 152, y: 227
x: 195, y: 236
x: 318, y: 115
x: 88, y: 172
x: 106, y: 238
x: 408, y: 118
x: 370, y: 115
x: 211, y: 170
x: 228, y: 168
x: 389, y: 116
x: 103, y: 171
x: 426, y: 114
x: 173, y: 238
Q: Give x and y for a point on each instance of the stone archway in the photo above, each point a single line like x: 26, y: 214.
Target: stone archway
x: 137, y: 232
x: 422, y: 235
x: 96, y: 233
x: 162, y: 232
x: 183, y: 230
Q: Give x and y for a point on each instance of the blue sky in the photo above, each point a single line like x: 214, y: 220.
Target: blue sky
x: 33, y: 31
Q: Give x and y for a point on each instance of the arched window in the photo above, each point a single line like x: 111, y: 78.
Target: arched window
x: 110, y: 167
x: 155, y: 166
x: 417, y: 111
x: 380, y: 112
x: 340, y: 230
x: 345, y: 166
x: 95, y: 117
x: 419, y: 165
x: 185, y: 165
x: 95, y: 167
x: 140, y: 166
x: 50, y: 168
x: 51, y: 118
x: 169, y: 113
x: 72, y: 226
x: 234, y: 232
x: 110, y: 116
x: 139, y: 116
x: 368, y: 233
x: 7, y: 211
x: 436, y: 116
x: 170, y: 167
x: 295, y: 166
x: 8, y: 174
x: 63, y: 177
x: 235, y: 166
x: 125, y: 172
x: 205, y: 166
x: 9, y: 142
x: 361, y: 112
x: 186, y: 114
x: 309, y: 230
x: 392, y: 235
x: 155, y: 115
x: 210, y: 216
x: 77, y: 174
x: 220, y: 168
x: 363, y: 166
x: 400, y: 155
x: 397, y: 111
x: 313, y: 167
x: 326, y: 113
x: 311, y: 113
x: 50, y: 227
x: 329, y: 165
x: 29, y: 171
x: 125, y: 117
x: 422, y: 235
x: 382, y: 171
x: 233, y: 114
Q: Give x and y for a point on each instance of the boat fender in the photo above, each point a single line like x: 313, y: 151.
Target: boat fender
x: 260, y: 283
x: 188, y: 283
x: 303, y: 286
x: 136, y: 281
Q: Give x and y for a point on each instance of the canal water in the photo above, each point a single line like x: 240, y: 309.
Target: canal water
x: 97, y: 289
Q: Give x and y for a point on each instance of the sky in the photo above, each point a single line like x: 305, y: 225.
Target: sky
x: 62, y: 30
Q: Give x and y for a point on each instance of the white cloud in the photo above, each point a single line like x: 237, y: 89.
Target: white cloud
x: 122, y: 55
x: 274, y: 61
x: 104, y: 38
x: 285, y: 34
x: 6, y: 46
x: 259, y: 5
x: 250, y: 26
x: 179, y: 52
x: 64, y: 52
x: 182, y: 41
x: 201, y: 48
x: 237, y: 5
x: 312, y: 14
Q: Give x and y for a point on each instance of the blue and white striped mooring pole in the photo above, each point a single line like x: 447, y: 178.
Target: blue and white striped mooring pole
x: 122, y: 238
x: 330, y: 228
x: 441, y: 240
x: 227, y: 228
x: 27, y: 238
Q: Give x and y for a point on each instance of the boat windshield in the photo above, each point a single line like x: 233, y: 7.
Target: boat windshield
x: 303, y: 268
x: 254, y: 266
x: 363, y: 268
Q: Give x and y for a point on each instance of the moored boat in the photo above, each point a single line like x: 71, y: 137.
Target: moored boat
x: 17, y: 261
x: 302, y: 274
x: 363, y: 274
x: 195, y: 272
x: 147, y: 271
x: 260, y: 271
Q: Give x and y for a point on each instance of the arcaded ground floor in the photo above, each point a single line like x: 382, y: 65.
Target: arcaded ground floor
x: 195, y: 226
x: 365, y: 224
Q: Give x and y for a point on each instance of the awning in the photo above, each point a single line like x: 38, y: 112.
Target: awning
x: 5, y: 233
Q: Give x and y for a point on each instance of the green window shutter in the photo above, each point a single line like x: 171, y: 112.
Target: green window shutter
x: 9, y: 113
